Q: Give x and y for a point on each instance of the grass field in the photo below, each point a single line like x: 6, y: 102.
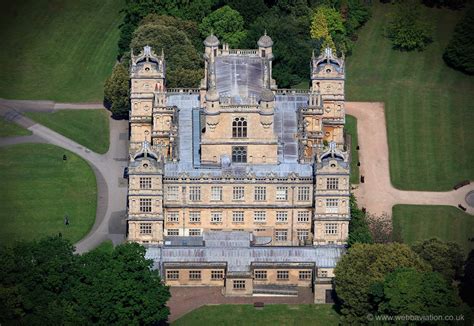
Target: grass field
x: 9, y: 129
x: 39, y: 188
x: 89, y: 128
x: 107, y: 246
x: 57, y: 50
x: 351, y: 129
x: 429, y: 107
x: 412, y: 223
x: 277, y: 314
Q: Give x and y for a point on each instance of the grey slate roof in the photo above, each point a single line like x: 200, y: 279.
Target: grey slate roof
x: 285, y: 125
x: 239, y: 77
x: 236, y: 251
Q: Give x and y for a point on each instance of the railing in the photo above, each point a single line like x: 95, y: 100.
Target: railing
x: 243, y: 52
x: 287, y: 91
x: 183, y: 90
x: 140, y: 118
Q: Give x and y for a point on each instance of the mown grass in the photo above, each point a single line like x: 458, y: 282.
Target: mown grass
x: 351, y: 129
x: 9, y: 129
x: 89, y: 128
x: 57, y: 50
x: 429, y: 106
x: 413, y: 223
x: 39, y: 189
x: 275, y: 314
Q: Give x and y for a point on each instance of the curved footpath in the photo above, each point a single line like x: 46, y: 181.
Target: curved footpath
x: 108, y: 168
x: 377, y: 194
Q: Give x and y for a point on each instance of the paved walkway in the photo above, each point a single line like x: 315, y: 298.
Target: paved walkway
x: 108, y: 168
x: 377, y: 193
x: 186, y: 299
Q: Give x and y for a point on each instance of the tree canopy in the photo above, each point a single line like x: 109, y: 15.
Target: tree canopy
x: 117, y: 92
x: 45, y: 283
x: 445, y: 258
x: 365, y: 265
x: 226, y: 23
x: 183, y: 63
x: 359, y: 231
x: 406, y: 29
x: 459, y: 54
x: 407, y: 291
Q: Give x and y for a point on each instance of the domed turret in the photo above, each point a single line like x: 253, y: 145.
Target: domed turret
x: 267, y: 95
x: 265, y: 41
x: 211, y: 40
x: 212, y: 95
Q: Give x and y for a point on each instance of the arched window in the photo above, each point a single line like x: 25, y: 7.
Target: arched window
x: 239, y: 128
x: 239, y: 154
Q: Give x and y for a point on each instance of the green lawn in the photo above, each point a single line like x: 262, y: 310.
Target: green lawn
x: 39, y: 188
x: 351, y: 129
x: 412, y: 223
x: 429, y: 107
x: 278, y: 314
x: 8, y: 129
x: 107, y: 246
x: 89, y: 128
x: 60, y: 50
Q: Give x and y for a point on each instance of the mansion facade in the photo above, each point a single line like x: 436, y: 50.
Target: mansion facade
x: 239, y: 184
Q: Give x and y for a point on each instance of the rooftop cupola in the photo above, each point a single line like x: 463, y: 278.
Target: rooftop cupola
x: 265, y: 41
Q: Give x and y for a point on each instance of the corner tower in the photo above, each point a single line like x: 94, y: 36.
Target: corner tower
x: 147, y: 76
x: 327, y: 81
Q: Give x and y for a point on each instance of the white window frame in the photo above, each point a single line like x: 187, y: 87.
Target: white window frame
x: 145, y: 228
x: 195, y: 193
x: 172, y: 193
x: 172, y: 217
x: 260, y: 274
x: 216, y: 193
x: 332, y: 205
x: 281, y: 235
x: 304, y: 193
x: 195, y: 232
x: 172, y: 232
x: 281, y: 193
x: 238, y: 284
x: 283, y: 275
x: 172, y: 274
x: 145, y: 205
x: 145, y: 182
x: 305, y: 275
x: 303, y: 216
x: 238, y: 193
x: 194, y: 275
x: 216, y: 217
x: 281, y: 217
x: 195, y: 217
x: 331, y: 228
x: 260, y: 193
x: 260, y: 216
x: 332, y: 183
x: 238, y: 217
x: 217, y: 274
x: 302, y: 234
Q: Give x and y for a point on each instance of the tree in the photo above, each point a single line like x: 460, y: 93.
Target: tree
x: 406, y: 29
x: 459, y: 54
x: 365, y: 265
x: 466, y: 288
x: 117, y: 92
x: 226, y: 23
x: 407, y: 291
x: 445, y: 258
x: 358, y: 228
x: 136, y: 10
x: 248, y: 9
x: 452, y: 4
x: 120, y: 288
x: 45, y: 283
x: 320, y: 29
x: 183, y: 63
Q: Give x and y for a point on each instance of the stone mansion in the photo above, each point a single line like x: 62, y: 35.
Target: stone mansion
x: 239, y: 184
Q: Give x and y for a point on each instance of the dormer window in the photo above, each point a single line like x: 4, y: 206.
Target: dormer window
x: 263, y: 53
x: 328, y: 70
x: 147, y: 69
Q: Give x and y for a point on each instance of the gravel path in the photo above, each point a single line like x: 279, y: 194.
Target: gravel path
x: 377, y: 194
